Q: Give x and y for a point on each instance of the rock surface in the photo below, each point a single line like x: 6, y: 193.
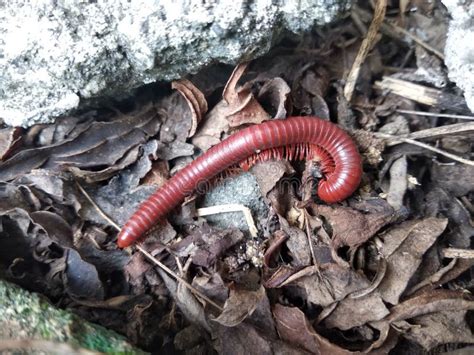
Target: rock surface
x: 55, y: 54
x: 459, y: 50
x: 27, y: 316
x: 240, y: 189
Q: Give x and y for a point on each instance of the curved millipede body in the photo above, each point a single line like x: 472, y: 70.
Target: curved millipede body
x: 295, y: 137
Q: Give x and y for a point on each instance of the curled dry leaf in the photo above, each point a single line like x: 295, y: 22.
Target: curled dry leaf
x: 102, y: 144
x: 403, y: 248
x: 431, y: 302
x: 362, y: 310
x: 238, y: 107
x: 242, y: 108
x: 273, y: 94
x: 196, y: 101
x: 351, y: 227
x: 435, y: 329
x: 294, y: 328
x: 240, y: 305
x: 327, y: 283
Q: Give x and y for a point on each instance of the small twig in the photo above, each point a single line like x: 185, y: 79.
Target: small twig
x: 232, y: 207
x: 102, y: 213
x: 308, y: 235
x: 180, y: 279
x: 434, y: 114
x: 458, y: 253
x: 151, y: 257
x: 435, y: 132
x: 367, y: 43
x: 428, y: 147
x: 394, y: 31
x: 416, y: 39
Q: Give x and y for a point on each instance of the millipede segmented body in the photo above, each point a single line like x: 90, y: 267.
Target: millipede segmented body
x: 292, y: 138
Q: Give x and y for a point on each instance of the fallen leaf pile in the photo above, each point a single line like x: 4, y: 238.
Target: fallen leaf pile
x: 387, y: 270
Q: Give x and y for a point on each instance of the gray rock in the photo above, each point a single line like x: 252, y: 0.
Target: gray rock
x: 240, y: 189
x: 459, y: 50
x: 56, y: 54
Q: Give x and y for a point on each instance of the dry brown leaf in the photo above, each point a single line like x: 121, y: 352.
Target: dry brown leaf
x: 240, y: 305
x: 268, y: 173
x: 196, y: 101
x: 206, y: 244
x: 294, y: 328
x: 439, y: 328
x: 355, y: 312
x: 237, y: 107
x: 403, y: 249
x: 327, y: 283
x: 101, y: 144
x: 274, y: 94
x: 351, y: 227
x: 430, y: 302
x: 242, y: 339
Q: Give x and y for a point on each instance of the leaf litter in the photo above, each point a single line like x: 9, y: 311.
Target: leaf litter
x: 368, y: 275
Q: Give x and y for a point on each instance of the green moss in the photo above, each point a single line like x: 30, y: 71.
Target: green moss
x: 25, y: 315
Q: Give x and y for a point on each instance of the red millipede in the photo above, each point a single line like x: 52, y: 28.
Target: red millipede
x: 292, y: 138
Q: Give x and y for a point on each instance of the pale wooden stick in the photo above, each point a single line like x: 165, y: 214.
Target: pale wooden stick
x: 458, y: 253
x: 367, y: 43
x: 232, y: 207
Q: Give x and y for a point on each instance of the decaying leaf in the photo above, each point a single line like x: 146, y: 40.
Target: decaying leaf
x: 206, y: 244
x: 237, y: 107
x: 403, y: 249
x: 362, y: 310
x: 431, y: 302
x: 328, y: 283
x: 351, y: 227
x: 102, y: 144
x: 240, y: 305
x: 294, y: 328
x: 195, y: 99
x: 434, y: 329
x: 242, y: 107
x: 273, y: 95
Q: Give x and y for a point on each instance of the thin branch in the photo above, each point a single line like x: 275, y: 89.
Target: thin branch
x: 435, y: 132
x: 231, y: 207
x: 180, y: 279
x: 365, y: 47
x: 416, y: 40
x: 458, y: 253
x: 434, y: 114
x: 428, y: 147
x: 394, y: 31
